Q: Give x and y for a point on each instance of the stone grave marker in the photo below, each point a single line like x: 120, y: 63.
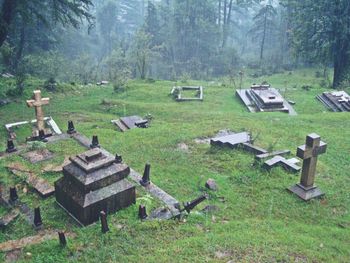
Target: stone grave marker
x: 37, y: 102
x: 130, y: 122
x: 91, y: 183
x: 309, y: 152
x: 263, y: 98
x: 337, y: 101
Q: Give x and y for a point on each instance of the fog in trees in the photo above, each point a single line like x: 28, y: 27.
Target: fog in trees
x: 89, y: 40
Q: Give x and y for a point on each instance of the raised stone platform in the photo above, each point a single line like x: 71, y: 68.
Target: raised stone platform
x: 337, y: 101
x: 263, y: 98
x: 91, y: 183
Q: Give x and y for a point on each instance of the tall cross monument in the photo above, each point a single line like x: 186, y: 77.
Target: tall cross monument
x: 309, y: 152
x: 37, y: 102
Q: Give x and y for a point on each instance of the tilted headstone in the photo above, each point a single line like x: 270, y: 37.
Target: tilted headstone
x: 188, y: 206
x: 309, y: 152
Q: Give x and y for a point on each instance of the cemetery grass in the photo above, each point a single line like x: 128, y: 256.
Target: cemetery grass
x: 257, y: 221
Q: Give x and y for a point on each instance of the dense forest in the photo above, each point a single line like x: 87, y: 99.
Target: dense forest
x: 89, y: 40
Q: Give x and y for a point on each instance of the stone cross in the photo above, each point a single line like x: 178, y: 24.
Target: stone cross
x: 37, y: 102
x: 309, y: 153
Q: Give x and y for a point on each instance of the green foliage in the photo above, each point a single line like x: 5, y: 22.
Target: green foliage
x: 37, y: 145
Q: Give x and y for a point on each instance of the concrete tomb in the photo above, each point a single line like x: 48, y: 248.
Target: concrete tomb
x: 94, y: 182
x: 263, y: 98
x: 335, y: 101
x: 309, y: 152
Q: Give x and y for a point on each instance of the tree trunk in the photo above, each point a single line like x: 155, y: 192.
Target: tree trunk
x: 263, y: 39
x: 219, y: 13
x: 226, y: 24
x: 341, y: 63
x: 7, y: 15
x: 20, y: 48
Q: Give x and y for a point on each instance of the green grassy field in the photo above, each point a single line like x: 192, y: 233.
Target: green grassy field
x: 258, y: 221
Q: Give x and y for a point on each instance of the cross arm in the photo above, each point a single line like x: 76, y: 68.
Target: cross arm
x: 305, y: 152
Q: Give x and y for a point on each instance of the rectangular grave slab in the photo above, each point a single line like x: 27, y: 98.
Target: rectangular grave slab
x: 263, y: 98
x: 263, y: 156
x: 93, y: 182
x: 44, y: 188
x: 232, y: 140
x: 130, y: 122
x: 337, y: 101
x: 289, y: 165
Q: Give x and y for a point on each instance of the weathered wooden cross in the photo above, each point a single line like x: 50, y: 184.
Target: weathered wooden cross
x: 309, y: 152
x: 37, y: 102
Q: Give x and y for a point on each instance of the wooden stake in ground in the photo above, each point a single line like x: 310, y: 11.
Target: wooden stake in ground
x: 309, y: 152
x: 37, y: 102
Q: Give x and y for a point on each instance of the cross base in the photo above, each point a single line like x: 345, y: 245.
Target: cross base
x: 306, y: 193
x: 36, y: 137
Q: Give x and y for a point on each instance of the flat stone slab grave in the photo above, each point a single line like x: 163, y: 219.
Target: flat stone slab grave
x: 38, y: 155
x: 287, y: 164
x: 263, y: 98
x: 130, y: 122
x: 337, y: 101
x: 44, y: 188
x: 232, y: 140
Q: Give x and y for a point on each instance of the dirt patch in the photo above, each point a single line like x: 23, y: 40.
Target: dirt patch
x: 31, y: 240
x: 56, y: 168
x: 13, y: 256
x: 38, y: 155
x: 183, y: 147
x: 206, y: 140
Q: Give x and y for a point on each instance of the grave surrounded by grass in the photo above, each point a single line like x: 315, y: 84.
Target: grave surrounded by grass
x: 257, y: 221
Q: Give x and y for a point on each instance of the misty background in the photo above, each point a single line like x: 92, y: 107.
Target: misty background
x: 116, y: 40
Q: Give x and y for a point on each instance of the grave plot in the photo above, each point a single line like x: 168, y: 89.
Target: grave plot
x: 45, y: 126
x: 337, y: 101
x: 243, y: 141
x: 130, y: 122
x: 263, y: 98
x: 93, y: 182
x: 187, y: 93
